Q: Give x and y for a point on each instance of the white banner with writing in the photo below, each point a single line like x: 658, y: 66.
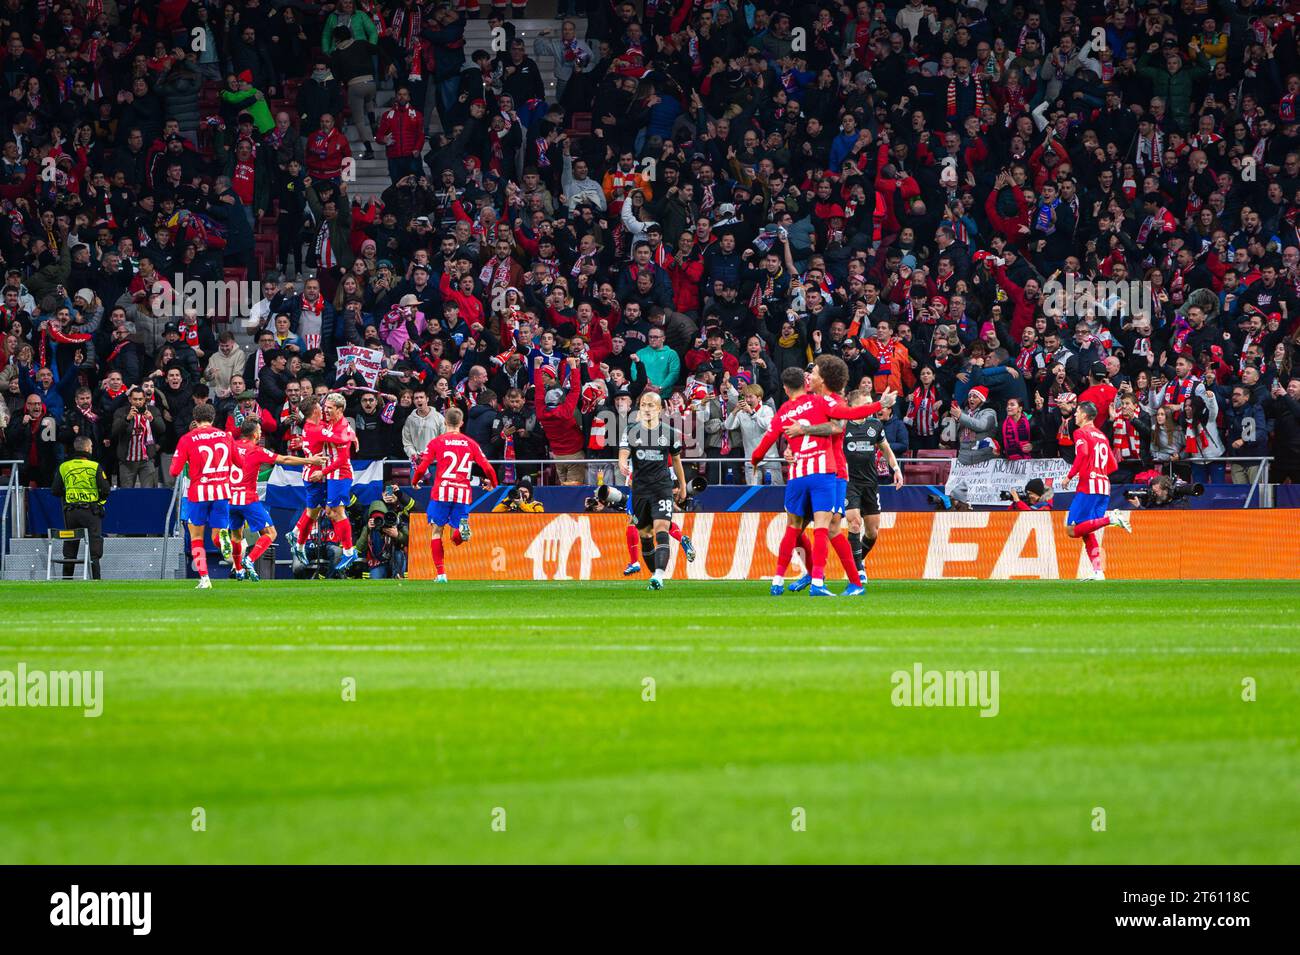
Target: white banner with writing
x: 354, y: 358
x: 985, y: 482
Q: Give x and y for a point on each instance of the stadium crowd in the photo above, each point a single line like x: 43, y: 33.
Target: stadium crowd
x: 710, y: 193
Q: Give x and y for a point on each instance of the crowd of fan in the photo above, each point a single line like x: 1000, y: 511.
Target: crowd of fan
x: 708, y: 194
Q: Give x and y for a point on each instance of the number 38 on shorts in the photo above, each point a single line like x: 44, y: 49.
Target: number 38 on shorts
x: 651, y: 508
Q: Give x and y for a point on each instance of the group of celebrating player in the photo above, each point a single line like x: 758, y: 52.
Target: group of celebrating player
x: 221, y: 496
x: 832, y: 445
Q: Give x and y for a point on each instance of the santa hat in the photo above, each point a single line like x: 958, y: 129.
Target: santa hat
x: 981, y: 391
x: 246, y: 76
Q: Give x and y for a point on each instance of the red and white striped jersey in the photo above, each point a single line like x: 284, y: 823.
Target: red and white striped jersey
x: 334, y: 441
x: 837, y: 441
x: 312, y: 445
x: 1093, y: 461
x: 812, y: 454
x: 452, y: 456
x: 209, y: 453
x: 249, y: 459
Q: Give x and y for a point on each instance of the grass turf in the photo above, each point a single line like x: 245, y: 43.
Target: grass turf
x: 528, y: 697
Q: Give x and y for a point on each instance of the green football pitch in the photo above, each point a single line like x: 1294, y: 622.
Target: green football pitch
x: 596, y: 722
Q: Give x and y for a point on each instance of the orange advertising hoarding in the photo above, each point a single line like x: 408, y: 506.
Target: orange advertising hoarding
x: 985, y: 545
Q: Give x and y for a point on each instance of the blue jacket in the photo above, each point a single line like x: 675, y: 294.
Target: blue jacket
x: 1247, y: 424
x: 662, y: 116
x: 1000, y: 383
x: 57, y: 395
x: 841, y: 146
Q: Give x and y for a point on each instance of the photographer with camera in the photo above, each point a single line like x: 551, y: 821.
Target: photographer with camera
x: 519, y: 499
x: 1164, y: 491
x: 1035, y: 497
x: 382, y: 531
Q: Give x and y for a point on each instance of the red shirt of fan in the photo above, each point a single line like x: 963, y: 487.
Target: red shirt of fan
x: 453, y: 457
x: 1103, y: 396
x: 249, y: 459
x: 241, y: 181
x: 209, y: 453
x: 1094, y: 461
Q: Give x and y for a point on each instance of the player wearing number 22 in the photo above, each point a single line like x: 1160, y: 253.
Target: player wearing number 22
x: 452, y: 457
x: 208, y: 452
x: 1093, y: 464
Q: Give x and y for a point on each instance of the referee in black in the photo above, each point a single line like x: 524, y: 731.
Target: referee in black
x: 84, y: 487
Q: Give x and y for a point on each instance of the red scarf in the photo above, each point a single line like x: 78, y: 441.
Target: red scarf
x: 1125, y: 441
x: 952, y: 94
x: 61, y: 337
x: 923, y: 410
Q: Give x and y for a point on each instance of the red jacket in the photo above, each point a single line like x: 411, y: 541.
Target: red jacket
x: 1009, y: 226
x: 402, y: 132
x: 325, y: 154
x: 1022, y: 315
x: 698, y: 356
x: 686, y: 278
x: 559, y: 424
x: 268, y: 421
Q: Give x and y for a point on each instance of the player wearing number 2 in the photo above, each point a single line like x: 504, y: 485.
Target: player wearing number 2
x: 813, y: 487
x: 1093, y: 464
x: 452, y: 456
x: 208, y: 452
x: 650, y: 453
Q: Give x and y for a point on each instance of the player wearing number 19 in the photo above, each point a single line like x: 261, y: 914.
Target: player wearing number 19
x: 650, y: 452
x: 452, y: 455
x: 1094, y: 462
x: 208, y: 452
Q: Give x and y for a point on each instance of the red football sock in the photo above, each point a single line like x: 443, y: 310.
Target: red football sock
x: 633, y: 545
x: 820, y: 548
x: 675, y: 532
x: 1093, y: 547
x: 302, y: 530
x: 1084, y: 528
x: 435, y: 548
x: 200, y: 557
x: 456, y: 538
x: 343, y: 534
x: 786, y: 550
x: 845, y: 553
x: 806, y: 546
x: 263, y: 542
x: 236, y: 550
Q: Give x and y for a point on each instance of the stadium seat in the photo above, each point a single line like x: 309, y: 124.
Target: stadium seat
x: 924, y: 474
x: 579, y: 126
x: 942, y: 458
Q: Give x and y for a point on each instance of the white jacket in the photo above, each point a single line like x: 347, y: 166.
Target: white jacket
x: 418, y: 432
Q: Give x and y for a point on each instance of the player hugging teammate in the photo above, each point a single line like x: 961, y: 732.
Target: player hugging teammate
x: 812, y: 422
x: 650, y: 453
